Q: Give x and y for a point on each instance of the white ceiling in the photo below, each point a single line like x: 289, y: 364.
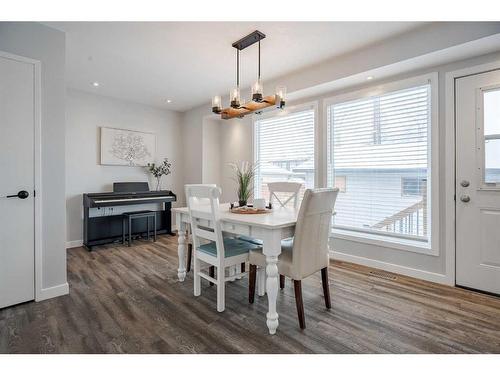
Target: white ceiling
x: 189, y: 62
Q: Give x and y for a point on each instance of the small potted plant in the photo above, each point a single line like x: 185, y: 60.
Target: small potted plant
x: 158, y: 171
x: 244, y: 173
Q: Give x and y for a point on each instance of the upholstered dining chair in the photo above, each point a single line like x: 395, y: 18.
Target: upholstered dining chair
x: 209, y: 245
x: 307, y: 252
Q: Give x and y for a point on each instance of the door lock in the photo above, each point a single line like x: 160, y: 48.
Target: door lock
x: 465, y: 183
x: 465, y: 198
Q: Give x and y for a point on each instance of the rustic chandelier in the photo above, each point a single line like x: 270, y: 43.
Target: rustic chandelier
x: 259, y: 101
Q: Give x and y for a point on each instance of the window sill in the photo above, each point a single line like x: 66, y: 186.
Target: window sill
x: 384, y: 241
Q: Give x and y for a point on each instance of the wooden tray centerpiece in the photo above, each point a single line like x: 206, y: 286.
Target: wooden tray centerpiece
x: 249, y: 210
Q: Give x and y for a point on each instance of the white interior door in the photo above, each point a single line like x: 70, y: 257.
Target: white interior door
x: 478, y: 181
x: 17, y: 255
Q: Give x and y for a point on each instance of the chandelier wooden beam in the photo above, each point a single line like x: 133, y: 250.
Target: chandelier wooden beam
x: 248, y: 108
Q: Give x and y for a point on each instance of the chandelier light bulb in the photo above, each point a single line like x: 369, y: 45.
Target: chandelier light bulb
x: 280, y: 96
x: 235, y: 98
x: 257, y: 91
x: 216, y: 104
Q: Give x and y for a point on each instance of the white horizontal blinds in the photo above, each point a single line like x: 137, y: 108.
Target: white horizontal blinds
x: 380, y: 145
x: 284, y: 150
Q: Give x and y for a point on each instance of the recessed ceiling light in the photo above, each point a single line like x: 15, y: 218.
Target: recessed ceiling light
x: 369, y: 78
x: 95, y: 84
x: 169, y: 101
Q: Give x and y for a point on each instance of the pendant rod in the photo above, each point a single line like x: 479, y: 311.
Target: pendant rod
x: 237, y: 68
x: 259, y: 59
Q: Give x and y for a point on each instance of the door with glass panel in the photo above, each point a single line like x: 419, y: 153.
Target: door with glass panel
x: 478, y: 181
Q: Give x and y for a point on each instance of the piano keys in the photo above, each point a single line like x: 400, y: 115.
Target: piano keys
x: 102, y: 220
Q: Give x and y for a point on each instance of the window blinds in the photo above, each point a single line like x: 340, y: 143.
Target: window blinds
x: 284, y: 150
x: 380, y: 145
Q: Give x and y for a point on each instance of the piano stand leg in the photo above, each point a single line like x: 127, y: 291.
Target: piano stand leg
x: 89, y: 248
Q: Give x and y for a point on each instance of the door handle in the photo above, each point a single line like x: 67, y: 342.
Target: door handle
x: 465, y: 183
x: 23, y: 194
x: 465, y: 198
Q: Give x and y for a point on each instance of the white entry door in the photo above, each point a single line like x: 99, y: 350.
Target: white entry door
x: 17, y: 256
x: 478, y: 181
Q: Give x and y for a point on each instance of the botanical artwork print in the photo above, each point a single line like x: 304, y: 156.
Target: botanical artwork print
x: 126, y: 147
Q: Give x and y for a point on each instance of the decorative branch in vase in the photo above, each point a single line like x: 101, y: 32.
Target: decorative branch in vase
x: 158, y: 171
x: 244, y: 173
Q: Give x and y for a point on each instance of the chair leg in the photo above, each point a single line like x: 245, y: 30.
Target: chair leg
x: 197, y: 278
x: 211, y: 273
x: 220, y: 289
x: 251, y: 283
x: 326, y: 287
x: 282, y: 282
x: 300, y: 304
x: 190, y: 255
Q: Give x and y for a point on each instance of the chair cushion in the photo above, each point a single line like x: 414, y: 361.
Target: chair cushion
x: 284, y: 260
x: 251, y: 240
x: 232, y: 247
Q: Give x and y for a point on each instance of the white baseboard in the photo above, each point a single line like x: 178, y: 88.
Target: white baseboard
x: 71, y: 244
x: 54, y: 291
x: 395, y: 268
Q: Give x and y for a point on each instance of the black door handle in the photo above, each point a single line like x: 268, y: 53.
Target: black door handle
x: 23, y: 194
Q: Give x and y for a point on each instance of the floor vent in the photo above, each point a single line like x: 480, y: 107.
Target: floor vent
x: 383, y: 275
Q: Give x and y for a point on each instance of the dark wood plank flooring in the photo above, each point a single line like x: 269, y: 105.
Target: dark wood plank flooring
x: 128, y: 300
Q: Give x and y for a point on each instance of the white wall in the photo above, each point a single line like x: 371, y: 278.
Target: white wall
x: 211, y: 143
x: 86, y: 113
x: 428, y: 267
x: 47, y: 45
x: 192, y: 145
x: 236, y: 137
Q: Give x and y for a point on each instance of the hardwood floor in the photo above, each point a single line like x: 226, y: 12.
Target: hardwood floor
x: 128, y: 300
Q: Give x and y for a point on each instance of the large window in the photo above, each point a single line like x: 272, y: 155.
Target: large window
x: 284, y: 150
x: 380, y: 144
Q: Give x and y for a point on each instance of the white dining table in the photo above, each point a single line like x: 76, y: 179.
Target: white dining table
x: 270, y: 227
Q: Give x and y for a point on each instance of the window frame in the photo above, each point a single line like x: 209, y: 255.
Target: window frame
x: 430, y: 247
x: 290, y: 109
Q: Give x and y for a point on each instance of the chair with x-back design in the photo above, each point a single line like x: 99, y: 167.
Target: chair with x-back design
x: 292, y: 188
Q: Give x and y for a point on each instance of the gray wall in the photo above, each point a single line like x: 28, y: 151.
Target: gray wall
x: 86, y: 113
x: 47, y: 45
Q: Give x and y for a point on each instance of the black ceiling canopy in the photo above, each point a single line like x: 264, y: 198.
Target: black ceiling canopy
x: 249, y: 40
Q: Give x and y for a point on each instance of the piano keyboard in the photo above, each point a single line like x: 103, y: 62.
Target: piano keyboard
x: 129, y: 199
